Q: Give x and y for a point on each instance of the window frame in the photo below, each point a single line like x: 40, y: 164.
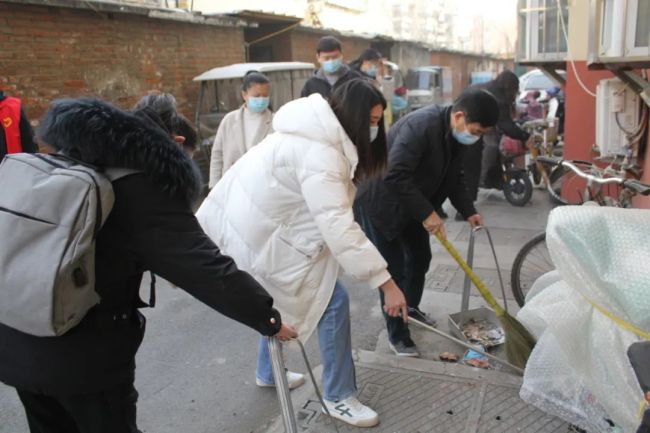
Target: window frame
x: 535, y: 12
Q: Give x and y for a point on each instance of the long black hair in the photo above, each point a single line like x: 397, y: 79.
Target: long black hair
x: 351, y: 102
x: 506, y: 85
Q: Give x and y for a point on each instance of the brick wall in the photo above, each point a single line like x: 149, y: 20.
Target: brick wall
x: 52, y: 52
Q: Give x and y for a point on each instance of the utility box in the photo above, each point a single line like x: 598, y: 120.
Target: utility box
x: 617, y: 115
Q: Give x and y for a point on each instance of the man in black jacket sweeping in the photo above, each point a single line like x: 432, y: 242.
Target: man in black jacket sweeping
x: 397, y: 211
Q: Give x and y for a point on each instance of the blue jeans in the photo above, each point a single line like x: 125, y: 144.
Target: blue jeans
x: 335, y: 342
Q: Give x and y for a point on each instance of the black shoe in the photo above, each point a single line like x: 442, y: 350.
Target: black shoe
x: 422, y: 317
x: 405, y: 348
x: 459, y: 217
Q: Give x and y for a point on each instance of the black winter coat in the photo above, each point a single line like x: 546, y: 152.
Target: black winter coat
x: 151, y: 227
x: 319, y: 84
x: 424, y: 169
x: 505, y: 123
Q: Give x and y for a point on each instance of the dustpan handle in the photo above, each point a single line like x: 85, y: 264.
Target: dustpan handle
x: 470, y: 261
x: 282, y: 386
x: 467, y: 284
x: 483, y: 290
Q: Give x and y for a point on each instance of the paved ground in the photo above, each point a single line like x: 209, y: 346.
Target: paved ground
x: 415, y: 396
x: 195, y: 367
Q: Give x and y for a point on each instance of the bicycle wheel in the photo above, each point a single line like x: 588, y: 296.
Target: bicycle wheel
x: 517, y: 187
x: 557, y: 178
x: 532, y: 261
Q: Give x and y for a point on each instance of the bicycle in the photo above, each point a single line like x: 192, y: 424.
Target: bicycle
x: 533, y: 259
x: 547, y: 143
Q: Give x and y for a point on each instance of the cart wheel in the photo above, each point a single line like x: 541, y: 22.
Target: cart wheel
x: 532, y: 261
x: 517, y: 187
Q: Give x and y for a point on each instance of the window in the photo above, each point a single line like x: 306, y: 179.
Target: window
x: 623, y: 29
x: 541, y: 37
x: 638, y: 37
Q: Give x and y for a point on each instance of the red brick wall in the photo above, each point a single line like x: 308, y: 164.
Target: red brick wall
x: 50, y: 52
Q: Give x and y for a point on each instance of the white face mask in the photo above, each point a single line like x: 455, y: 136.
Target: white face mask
x: 374, y: 131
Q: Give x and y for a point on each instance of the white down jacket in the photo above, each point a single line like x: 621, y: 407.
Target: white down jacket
x: 284, y: 213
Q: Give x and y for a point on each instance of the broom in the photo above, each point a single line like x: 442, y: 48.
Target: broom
x: 519, y: 342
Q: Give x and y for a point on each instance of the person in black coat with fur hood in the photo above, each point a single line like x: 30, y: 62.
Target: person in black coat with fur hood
x: 83, y: 381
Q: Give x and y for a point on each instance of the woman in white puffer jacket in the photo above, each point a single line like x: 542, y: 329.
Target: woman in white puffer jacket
x: 284, y: 213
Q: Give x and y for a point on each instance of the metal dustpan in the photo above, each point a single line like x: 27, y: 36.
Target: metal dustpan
x: 479, y: 325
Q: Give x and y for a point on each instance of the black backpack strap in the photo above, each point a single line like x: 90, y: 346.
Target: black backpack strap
x: 152, y: 290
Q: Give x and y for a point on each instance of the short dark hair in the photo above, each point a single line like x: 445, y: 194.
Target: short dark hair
x: 187, y: 130
x: 328, y: 43
x: 253, y: 77
x: 351, y: 102
x: 479, y: 106
x: 163, y: 105
x: 160, y: 109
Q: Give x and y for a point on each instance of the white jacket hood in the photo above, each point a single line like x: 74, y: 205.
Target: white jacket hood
x: 313, y: 119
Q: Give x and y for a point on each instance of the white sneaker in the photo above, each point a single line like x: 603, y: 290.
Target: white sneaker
x: 293, y: 379
x: 353, y: 412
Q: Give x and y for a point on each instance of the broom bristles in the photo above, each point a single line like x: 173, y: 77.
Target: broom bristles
x: 519, y: 342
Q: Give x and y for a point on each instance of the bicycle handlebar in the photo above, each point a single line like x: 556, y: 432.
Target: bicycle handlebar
x: 637, y: 187
x: 632, y: 184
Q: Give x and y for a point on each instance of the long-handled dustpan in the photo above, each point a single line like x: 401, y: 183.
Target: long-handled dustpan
x: 478, y: 325
x: 519, y: 341
x: 282, y: 386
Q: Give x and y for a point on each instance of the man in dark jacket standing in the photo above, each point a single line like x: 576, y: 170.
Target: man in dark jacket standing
x: 82, y: 381
x: 16, y: 133
x: 332, y: 72
x: 397, y: 211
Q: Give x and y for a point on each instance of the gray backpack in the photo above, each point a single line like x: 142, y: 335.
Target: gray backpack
x: 51, y: 209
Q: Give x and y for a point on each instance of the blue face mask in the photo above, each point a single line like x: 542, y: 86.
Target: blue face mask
x: 374, y: 131
x: 465, y: 137
x: 372, y: 71
x: 332, y: 66
x: 257, y: 104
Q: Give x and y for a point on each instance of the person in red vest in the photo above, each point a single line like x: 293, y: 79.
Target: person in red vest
x: 16, y: 134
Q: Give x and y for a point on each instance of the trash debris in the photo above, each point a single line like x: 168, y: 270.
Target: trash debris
x: 450, y: 412
x: 484, y: 332
x: 475, y: 359
x: 448, y: 357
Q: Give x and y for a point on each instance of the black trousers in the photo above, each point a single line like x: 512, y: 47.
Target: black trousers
x: 491, y: 172
x: 408, y: 257
x: 109, y: 411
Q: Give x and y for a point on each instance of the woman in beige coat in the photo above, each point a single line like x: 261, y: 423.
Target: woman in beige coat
x: 243, y: 128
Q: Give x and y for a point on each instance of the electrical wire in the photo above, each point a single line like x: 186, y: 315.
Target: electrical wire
x: 568, y: 49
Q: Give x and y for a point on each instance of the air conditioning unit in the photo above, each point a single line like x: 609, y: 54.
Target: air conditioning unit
x: 617, y: 111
